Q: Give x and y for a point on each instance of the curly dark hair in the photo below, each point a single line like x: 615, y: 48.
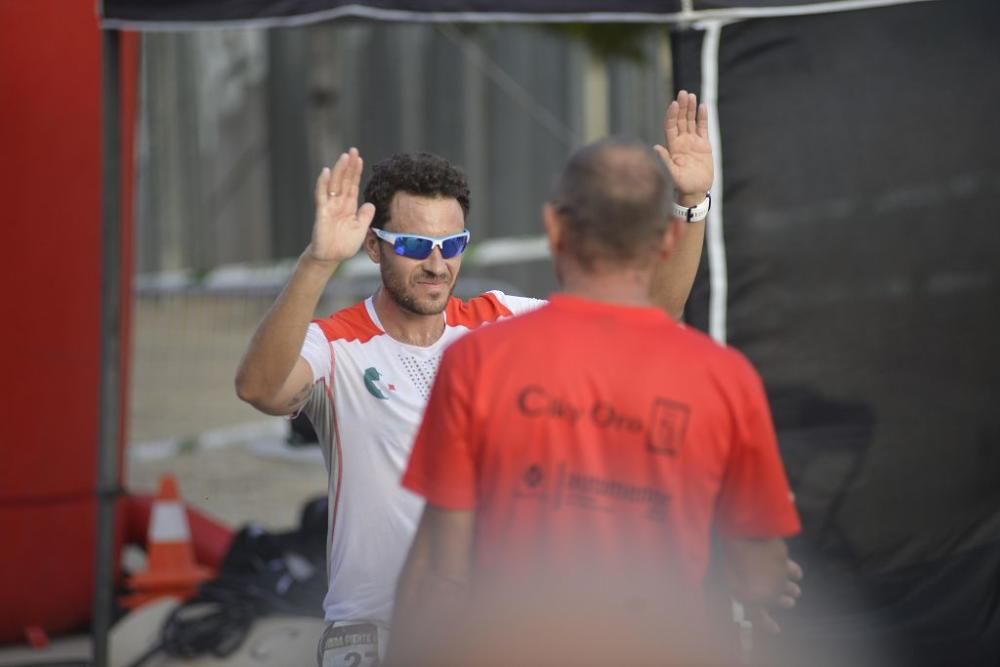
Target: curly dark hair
x: 421, y: 174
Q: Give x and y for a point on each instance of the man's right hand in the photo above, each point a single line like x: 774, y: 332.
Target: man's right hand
x: 340, y: 226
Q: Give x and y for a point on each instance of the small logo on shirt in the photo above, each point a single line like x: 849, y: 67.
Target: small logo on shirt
x: 375, y: 386
x: 533, y: 476
x: 668, y: 422
x: 534, y: 484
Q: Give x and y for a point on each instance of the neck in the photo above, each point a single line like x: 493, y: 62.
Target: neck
x: 626, y: 286
x: 405, y: 325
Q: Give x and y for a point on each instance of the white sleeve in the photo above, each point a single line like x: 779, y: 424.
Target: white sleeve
x: 518, y: 305
x: 316, y: 351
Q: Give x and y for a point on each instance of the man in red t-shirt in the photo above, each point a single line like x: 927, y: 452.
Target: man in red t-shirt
x: 577, y: 460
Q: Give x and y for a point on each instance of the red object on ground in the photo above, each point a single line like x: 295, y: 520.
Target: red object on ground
x: 171, y: 568
x: 36, y: 637
x: 50, y: 189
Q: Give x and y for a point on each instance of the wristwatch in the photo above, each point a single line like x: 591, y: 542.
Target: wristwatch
x: 694, y: 213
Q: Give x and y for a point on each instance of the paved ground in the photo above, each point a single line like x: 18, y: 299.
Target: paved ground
x: 185, y: 418
x: 185, y: 350
x: 263, y: 480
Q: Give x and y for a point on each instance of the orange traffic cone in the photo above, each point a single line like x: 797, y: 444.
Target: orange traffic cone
x: 171, y: 569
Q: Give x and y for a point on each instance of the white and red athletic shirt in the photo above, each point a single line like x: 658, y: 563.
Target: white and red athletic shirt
x: 367, y: 402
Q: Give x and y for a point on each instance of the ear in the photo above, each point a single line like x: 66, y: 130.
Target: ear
x: 675, y: 232
x: 554, y: 229
x: 373, y: 246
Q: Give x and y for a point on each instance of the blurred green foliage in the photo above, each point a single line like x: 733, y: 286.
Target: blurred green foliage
x: 605, y: 40
x: 608, y: 40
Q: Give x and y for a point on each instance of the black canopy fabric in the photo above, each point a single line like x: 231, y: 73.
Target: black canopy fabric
x: 861, y: 260
x: 855, y: 258
x: 197, y: 14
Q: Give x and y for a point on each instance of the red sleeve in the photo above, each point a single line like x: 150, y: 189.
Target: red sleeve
x: 755, y: 500
x: 442, y: 465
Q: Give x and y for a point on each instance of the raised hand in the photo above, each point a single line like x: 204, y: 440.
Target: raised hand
x: 340, y: 225
x: 688, y: 153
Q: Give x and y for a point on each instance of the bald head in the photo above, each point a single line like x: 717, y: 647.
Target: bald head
x: 614, y: 197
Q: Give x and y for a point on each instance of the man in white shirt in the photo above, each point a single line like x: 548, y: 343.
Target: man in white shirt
x: 363, y: 375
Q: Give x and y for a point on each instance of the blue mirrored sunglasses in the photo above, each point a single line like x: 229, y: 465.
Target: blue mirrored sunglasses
x: 421, y: 247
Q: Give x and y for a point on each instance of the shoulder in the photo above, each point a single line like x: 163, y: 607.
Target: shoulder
x: 505, y: 331
x: 721, y: 359
x: 487, y: 308
x: 732, y: 370
x: 737, y: 365
x: 350, y: 324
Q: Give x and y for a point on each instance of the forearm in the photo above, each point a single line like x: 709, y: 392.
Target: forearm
x: 274, y: 349
x: 417, y: 609
x: 415, y: 570
x: 432, y: 591
x: 428, y: 608
x: 674, y: 277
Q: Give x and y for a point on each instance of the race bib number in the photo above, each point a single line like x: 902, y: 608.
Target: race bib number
x: 351, y: 645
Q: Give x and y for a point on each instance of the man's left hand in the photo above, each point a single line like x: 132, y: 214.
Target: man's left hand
x: 787, y: 598
x: 687, y: 153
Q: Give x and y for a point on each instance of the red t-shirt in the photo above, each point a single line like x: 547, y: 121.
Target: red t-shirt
x: 591, y: 434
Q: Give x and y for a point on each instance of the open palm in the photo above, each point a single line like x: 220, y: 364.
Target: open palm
x: 340, y: 226
x: 688, y: 152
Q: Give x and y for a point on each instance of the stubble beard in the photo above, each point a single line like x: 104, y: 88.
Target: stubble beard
x: 396, y: 286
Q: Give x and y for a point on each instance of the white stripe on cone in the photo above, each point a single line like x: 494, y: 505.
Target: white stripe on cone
x: 169, y: 523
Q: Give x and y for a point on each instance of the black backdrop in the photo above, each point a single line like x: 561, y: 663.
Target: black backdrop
x: 861, y: 228
x: 858, y: 266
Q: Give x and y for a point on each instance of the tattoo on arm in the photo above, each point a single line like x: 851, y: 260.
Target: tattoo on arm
x: 300, y: 397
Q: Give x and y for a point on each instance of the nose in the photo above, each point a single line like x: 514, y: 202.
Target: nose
x: 435, y: 262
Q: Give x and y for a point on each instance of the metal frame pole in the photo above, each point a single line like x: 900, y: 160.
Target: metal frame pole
x: 110, y: 383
